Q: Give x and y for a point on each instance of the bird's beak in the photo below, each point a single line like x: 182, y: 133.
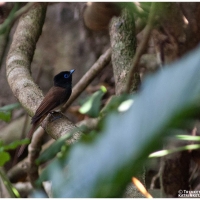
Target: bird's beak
x: 72, y: 71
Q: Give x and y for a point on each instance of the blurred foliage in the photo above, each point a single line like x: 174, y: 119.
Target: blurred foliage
x: 174, y: 150
x: 11, y: 190
x: 92, y: 105
x: 103, y: 167
x: 131, y: 128
x: 188, y: 137
x: 5, y: 27
x: 50, y: 152
x: 114, y: 103
x: 178, y: 149
x: 6, y: 111
x: 4, y: 155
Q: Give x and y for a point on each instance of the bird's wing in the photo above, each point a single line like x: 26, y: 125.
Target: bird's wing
x: 52, y: 99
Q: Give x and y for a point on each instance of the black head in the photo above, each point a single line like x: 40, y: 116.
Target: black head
x: 63, y: 79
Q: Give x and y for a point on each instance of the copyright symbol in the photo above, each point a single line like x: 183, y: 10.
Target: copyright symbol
x: 180, y: 191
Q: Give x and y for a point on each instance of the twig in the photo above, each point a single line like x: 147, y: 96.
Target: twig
x: 142, y: 47
x: 24, y: 188
x: 23, y: 10
x: 13, y: 17
x: 139, y: 10
x: 26, y: 120
x: 34, y: 151
x: 7, y: 25
x: 4, y: 33
x: 8, y: 185
x: 88, y: 77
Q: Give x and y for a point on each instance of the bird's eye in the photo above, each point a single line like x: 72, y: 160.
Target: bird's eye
x: 66, y: 75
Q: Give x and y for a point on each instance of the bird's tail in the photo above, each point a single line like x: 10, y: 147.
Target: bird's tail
x: 29, y: 136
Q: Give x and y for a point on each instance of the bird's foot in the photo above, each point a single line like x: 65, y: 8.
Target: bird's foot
x: 55, y: 115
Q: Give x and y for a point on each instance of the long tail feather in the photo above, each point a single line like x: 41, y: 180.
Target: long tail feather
x: 29, y: 136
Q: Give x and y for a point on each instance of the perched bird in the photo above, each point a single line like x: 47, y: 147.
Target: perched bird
x: 55, y: 98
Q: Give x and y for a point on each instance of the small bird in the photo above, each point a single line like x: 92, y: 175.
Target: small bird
x: 55, y: 98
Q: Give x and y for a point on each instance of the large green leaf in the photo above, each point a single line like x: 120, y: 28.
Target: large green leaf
x: 102, y: 168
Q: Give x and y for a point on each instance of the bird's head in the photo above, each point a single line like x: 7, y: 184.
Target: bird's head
x: 63, y: 79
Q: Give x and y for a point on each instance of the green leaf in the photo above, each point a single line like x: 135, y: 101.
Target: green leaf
x: 114, y: 103
x: 16, y: 143
x: 6, y: 111
x: 188, y: 137
x: 10, y: 107
x: 170, y: 151
x: 53, y: 149
x: 103, y: 168
x: 92, y: 106
x: 5, y: 115
x: 12, y: 145
x: 4, y: 157
x: 11, y: 190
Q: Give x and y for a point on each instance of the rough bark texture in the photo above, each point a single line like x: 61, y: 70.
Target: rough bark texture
x: 20, y: 57
x: 175, y: 173
x: 59, y: 127
x: 171, y: 38
x: 123, y: 43
x: 19, y: 60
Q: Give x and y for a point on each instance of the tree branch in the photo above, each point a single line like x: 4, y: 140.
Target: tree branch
x: 20, y: 57
x: 141, y: 49
x: 19, y: 61
x: 7, y: 25
x: 123, y: 43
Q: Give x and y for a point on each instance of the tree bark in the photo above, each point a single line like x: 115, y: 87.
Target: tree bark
x: 123, y: 43
x: 18, y: 66
x: 20, y: 57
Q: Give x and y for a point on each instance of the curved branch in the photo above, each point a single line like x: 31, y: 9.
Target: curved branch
x: 18, y: 66
x: 34, y: 151
x: 59, y: 127
x: 20, y: 57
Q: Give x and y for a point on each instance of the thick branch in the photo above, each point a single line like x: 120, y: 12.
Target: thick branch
x: 19, y: 61
x: 123, y: 43
x: 20, y: 57
x: 140, y: 49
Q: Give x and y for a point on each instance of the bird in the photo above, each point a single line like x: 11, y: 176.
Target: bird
x: 57, y: 95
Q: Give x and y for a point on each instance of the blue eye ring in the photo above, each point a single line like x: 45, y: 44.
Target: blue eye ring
x: 66, y: 75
